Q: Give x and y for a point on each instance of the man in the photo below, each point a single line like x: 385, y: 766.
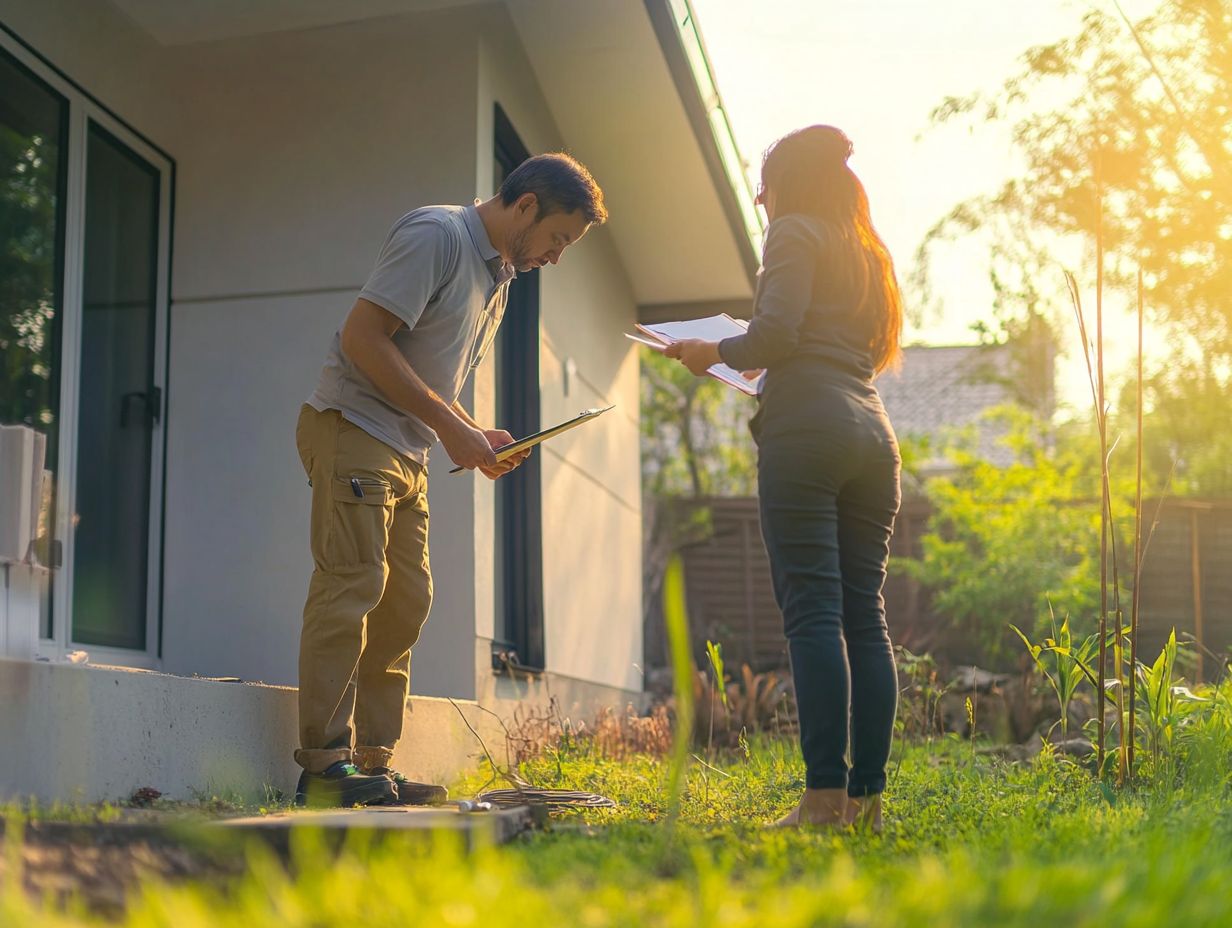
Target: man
x: 388, y: 391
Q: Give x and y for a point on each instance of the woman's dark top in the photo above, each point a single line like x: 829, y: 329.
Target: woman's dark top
x: 811, y: 339
x: 796, y: 311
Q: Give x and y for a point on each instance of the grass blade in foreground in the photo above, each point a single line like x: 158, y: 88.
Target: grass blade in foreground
x: 675, y: 614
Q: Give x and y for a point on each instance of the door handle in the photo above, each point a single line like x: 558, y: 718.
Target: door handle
x: 152, y: 400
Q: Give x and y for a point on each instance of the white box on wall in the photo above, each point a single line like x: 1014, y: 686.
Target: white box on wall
x: 22, y: 454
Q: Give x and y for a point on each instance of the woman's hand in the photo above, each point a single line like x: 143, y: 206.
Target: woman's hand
x: 697, y: 355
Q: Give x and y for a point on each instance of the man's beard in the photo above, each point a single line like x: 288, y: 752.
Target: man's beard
x: 520, y: 260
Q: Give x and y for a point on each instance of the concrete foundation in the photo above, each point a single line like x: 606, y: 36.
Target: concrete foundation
x: 83, y: 733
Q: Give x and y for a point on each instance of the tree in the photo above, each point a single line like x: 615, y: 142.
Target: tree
x: 695, y: 440
x: 695, y: 444
x: 29, y: 169
x: 1138, y: 155
x: 1007, y: 544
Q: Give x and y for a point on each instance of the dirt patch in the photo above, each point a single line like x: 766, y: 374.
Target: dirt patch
x: 100, y: 865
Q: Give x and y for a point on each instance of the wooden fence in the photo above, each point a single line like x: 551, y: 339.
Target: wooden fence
x: 1186, y: 584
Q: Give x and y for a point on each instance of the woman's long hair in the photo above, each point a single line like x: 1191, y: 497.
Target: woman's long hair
x: 808, y: 173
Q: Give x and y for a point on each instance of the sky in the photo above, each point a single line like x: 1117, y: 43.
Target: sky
x: 876, y: 69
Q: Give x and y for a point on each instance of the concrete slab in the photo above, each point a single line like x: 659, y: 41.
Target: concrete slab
x: 492, y: 827
x: 83, y: 733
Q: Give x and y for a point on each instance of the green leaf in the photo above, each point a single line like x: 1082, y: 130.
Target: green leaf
x: 1183, y: 692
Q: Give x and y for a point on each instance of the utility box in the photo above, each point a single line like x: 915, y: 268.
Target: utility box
x: 22, y: 479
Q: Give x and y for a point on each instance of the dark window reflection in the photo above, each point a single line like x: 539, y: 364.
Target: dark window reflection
x: 33, y: 138
x: 118, y: 405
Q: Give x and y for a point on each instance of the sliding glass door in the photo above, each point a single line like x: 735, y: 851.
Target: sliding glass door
x: 119, y: 404
x: 33, y: 177
x: 84, y: 250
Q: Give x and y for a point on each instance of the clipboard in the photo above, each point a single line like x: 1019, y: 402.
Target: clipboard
x: 504, y: 452
x: 642, y: 340
x: 714, y: 328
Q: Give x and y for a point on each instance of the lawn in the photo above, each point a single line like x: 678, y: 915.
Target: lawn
x: 969, y: 840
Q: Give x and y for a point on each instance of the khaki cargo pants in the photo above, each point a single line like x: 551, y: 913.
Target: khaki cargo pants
x: 369, y: 596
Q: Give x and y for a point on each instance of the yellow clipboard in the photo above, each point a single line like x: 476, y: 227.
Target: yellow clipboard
x: 505, y: 452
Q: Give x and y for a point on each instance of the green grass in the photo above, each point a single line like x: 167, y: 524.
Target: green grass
x: 968, y: 841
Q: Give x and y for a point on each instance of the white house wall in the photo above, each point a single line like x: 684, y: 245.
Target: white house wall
x: 294, y: 153
x: 591, y: 482
x: 592, y: 521
x: 301, y: 150
x: 99, y: 48
x: 237, y: 541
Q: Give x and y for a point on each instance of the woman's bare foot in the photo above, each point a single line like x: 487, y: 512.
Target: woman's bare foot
x: 790, y: 820
x: 864, y: 813
x: 818, y: 808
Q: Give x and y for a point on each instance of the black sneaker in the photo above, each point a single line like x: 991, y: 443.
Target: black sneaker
x: 411, y: 793
x: 341, y: 784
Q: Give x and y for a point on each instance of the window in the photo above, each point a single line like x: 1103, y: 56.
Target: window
x: 118, y: 403
x: 34, y: 161
x: 518, y: 581
x: 85, y: 219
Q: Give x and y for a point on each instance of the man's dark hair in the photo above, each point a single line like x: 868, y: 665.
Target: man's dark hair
x: 560, y: 182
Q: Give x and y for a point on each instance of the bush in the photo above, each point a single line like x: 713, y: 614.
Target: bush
x: 1010, y: 543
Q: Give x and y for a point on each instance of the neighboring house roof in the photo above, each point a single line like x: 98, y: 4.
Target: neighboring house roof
x: 940, y: 389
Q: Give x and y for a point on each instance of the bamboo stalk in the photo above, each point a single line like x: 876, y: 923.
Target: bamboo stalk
x: 1076, y: 298
x: 1118, y: 643
x: 1133, y: 614
x: 1195, y: 555
x: 1101, y: 420
x: 1118, y: 655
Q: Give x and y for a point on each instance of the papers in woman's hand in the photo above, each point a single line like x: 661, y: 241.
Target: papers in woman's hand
x: 656, y: 346
x: 711, y: 329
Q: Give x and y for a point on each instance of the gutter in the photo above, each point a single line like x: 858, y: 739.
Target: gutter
x: 684, y: 51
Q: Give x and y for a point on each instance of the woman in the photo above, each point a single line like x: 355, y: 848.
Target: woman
x: 827, y: 317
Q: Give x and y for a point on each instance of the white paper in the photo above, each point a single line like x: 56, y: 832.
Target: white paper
x: 657, y: 346
x: 709, y: 329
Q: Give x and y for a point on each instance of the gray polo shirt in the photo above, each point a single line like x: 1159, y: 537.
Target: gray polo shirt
x: 438, y: 273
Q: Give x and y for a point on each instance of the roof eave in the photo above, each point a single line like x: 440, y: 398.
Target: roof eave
x: 730, y: 190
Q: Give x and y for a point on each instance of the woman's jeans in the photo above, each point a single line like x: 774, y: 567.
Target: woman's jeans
x: 829, y: 489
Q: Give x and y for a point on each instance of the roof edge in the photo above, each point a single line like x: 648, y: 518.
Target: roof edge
x: 670, y: 31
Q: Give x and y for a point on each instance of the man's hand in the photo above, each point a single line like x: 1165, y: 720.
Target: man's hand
x: 697, y: 355
x: 367, y: 340
x: 467, y: 446
x: 498, y: 438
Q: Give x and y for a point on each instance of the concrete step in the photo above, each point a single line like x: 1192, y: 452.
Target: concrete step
x: 89, y: 733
